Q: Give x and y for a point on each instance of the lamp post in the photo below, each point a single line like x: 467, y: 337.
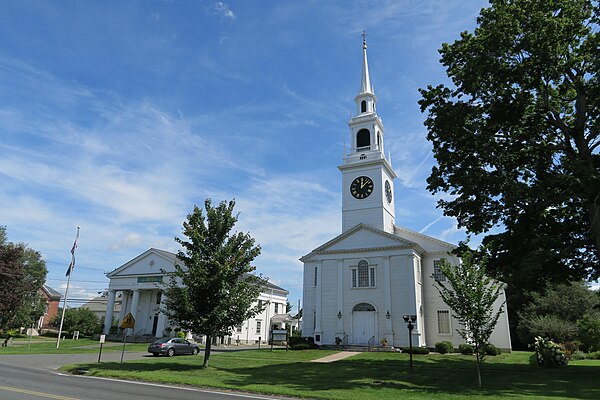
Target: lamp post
x: 410, y: 320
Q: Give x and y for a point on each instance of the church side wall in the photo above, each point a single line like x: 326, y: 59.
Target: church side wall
x: 309, y: 292
x: 329, y: 294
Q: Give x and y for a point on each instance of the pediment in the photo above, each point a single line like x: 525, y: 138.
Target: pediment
x: 363, y: 238
x: 150, y: 262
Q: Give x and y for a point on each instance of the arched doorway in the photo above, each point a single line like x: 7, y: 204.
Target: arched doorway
x: 363, y: 323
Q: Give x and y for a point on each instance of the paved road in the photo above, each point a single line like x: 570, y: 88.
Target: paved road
x: 33, y: 377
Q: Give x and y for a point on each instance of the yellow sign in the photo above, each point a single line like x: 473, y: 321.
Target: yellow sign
x: 128, y: 321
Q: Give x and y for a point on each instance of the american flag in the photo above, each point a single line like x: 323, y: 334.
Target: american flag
x: 72, y: 265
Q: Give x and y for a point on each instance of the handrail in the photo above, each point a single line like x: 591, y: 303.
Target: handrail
x: 345, y: 340
x: 371, y: 342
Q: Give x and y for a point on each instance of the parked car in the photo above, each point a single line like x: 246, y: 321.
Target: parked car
x: 172, y: 346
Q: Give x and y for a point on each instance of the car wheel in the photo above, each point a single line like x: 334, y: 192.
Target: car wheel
x: 195, y: 351
x: 171, y: 352
x: 154, y: 354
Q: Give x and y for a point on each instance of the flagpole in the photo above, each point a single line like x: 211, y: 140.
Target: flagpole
x: 62, y: 318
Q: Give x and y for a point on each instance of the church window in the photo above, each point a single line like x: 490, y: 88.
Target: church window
x: 363, y: 276
x: 379, y: 140
x: 276, y: 308
x: 443, y: 317
x: 260, y: 303
x: 363, y: 106
x: 158, y: 297
x: 238, y: 328
x: 363, y: 138
x: 316, y: 275
x: 363, y: 307
x: 418, y: 270
x: 258, y: 326
x: 437, y: 271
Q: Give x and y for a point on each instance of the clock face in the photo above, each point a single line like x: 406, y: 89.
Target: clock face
x: 388, y: 192
x: 361, y: 187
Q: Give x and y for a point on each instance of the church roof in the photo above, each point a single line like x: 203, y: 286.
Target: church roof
x: 388, y: 242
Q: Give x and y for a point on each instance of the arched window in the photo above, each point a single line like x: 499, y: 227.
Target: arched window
x: 363, y: 106
x: 363, y: 275
x: 363, y: 138
x: 363, y: 307
x: 379, y: 140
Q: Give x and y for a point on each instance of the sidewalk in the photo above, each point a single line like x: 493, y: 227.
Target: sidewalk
x: 335, y: 357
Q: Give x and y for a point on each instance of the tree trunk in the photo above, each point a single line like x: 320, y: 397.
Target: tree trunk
x: 478, y: 370
x: 207, y: 350
x: 594, y: 215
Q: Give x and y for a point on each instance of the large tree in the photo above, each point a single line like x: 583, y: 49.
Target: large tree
x: 22, y: 274
x: 516, y: 138
x: 213, y: 289
x: 473, y: 298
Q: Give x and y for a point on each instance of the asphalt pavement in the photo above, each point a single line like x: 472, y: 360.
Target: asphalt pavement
x: 34, y: 377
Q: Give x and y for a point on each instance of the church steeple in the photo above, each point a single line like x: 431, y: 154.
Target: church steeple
x: 365, y: 84
x: 367, y: 175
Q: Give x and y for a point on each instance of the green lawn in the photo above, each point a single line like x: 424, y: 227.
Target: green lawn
x: 46, y: 345
x: 365, y: 376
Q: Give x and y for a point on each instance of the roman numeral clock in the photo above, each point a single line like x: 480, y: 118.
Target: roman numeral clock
x: 361, y: 187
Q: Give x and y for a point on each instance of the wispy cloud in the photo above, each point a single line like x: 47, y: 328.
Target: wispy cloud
x: 224, y: 10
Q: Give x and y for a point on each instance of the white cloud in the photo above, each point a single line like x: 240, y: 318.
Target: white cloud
x: 224, y: 10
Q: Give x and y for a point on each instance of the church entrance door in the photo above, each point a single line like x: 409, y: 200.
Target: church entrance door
x: 363, y: 323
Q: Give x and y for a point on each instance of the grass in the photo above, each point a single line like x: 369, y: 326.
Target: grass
x: 364, y: 376
x: 47, y: 345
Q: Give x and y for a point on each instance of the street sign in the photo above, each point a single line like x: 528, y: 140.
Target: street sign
x: 102, y: 338
x: 128, y: 321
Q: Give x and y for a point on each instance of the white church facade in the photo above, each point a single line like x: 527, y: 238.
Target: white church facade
x: 359, y: 285
x: 139, y: 285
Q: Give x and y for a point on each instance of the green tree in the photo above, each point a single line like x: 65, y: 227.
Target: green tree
x: 516, y: 139
x: 22, y: 272
x: 472, y: 296
x: 550, y: 315
x: 213, y: 289
x: 78, y: 319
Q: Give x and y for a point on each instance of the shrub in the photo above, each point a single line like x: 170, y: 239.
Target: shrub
x: 466, y: 349
x: 569, y: 348
x: 594, y: 356
x: 309, y: 341
x: 491, y: 350
x: 181, y: 334
x: 589, y: 331
x: 416, y: 350
x: 579, y: 355
x: 549, y: 354
x: 444, y: 347
x: 300, y: 346
x: 548, y: 326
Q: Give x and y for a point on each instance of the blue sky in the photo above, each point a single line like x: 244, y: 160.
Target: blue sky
x: 119, y: 116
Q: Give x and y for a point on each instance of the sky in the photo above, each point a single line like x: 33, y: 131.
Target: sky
x: 120, y: 116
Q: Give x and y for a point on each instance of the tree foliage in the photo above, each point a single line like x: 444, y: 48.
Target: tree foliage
x: 213, y: 289
x: 22, y: 274
x: 78, y: 319
x: 472, y: 297
x: 516, y: 138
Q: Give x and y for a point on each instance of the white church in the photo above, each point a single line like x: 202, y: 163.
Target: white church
x: 359, y: 285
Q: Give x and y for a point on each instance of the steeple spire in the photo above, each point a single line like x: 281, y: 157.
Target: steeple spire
x: 365, y: 84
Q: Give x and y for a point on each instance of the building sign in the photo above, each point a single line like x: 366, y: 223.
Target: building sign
x: 146, y: 279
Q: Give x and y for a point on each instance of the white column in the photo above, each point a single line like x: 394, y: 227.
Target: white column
x: 162, y: 317
x: 110, y: 305
x: 387, y: 283
x: 340, y: 299
x: 318, y: 302
x: 134, y: 305
x: 124, y: 303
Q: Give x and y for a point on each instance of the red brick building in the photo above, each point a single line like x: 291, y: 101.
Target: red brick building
x: 52, y: 299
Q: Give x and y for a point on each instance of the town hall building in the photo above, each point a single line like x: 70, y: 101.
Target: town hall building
x: 139, y: 287
x: 360, y: 285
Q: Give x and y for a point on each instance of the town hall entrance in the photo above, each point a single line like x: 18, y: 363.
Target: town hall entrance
x: 363, y: 323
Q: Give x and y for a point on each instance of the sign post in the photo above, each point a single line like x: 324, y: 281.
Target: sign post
x: 102, y: 339
x: 127, y: 323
